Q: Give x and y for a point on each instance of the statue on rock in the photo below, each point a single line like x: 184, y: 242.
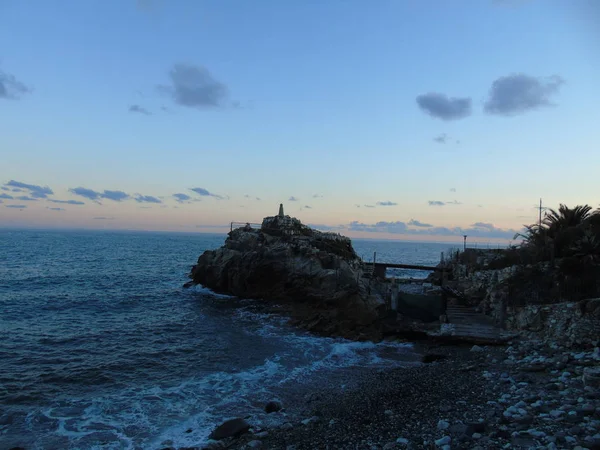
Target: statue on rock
x: 281, y: 210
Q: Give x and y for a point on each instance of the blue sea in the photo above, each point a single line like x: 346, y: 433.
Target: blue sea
x: 102, y: 348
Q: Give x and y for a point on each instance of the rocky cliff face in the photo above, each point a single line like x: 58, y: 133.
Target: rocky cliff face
x: 317, y: 275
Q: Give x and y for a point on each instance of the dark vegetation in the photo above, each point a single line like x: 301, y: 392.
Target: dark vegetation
x: 557, y: 260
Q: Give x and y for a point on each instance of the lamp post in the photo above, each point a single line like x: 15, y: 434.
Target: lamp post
x: 465, y: 242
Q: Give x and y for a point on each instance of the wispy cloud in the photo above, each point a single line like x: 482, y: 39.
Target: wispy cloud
x: 293, y: 199
x: 417, y: 223
x: 488, y: 231
x: 147, y: 199
x: 205, y: 193
x: 441, y: 138
x: 103, y: 218
x: 4, y: 188
x: 317, y: 196
x: 387, y: 203
x: 86, y: 193
x: 11, y: 88
x: 67, y: 202
x: 26, y: 198
x: 436, y: 203
x: 182, y: 198
x: 519, y: 93
x: 139, y: 110
x: 116, y: 196
x: 369, y: 206
x: 307, y: 207
x: 443, y: 107
x: 195, y: 87
x: 16, y: 206
x: 6, y: 196
x: 33, y: 189
x: 379, y: 227
x: 452, y: 189
x: 55, y: 209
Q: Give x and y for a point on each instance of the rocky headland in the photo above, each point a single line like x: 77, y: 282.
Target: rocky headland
x: 314, y: 277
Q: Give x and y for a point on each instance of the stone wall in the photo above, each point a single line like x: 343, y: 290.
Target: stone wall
x: 571, y: 324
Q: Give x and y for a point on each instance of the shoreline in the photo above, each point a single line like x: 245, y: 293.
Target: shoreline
x: 528, y: 395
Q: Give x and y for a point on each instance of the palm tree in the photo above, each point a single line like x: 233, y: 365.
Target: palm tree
x: 565, y: 217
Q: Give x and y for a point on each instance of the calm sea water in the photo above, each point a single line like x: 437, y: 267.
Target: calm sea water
x: 101, y: 347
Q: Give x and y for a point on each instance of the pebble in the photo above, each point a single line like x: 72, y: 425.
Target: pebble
x: 443, y: 441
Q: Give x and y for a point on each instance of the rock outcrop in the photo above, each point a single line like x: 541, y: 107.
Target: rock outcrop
x: 518, y: 299
x: 317, y: 275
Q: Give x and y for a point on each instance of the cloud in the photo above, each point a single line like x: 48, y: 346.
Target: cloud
x: 115, y: 196
x: 358, y: 206
x: 26, y: 198
x: 307, y: 207
x: 67, y: 202
x: 442, y: 107
x: 293, y: 199
x: 11, y: 88
x: 452, y: 189
x: 379, y: 227
x: 488, y: 231
x: 182, y: 198
x: 15, y: 190
x: 203, y: 192
x: 34, y: 190
x: 387, y: 203
x: 55, y: 209
x: 147, y: 199
x: 441, y: 139
x: 87, y: 193
x: 6, y: 196
x: 487, y: 226
x: 454, y: 202
x: 16, y: 206
x: 194, y: 87
x: 317, y: 196
x: 519, y: 93
x: 140, y: 110
x: 103, y: 218
x: 4, y: 188
x: 436, y: 203
x: 416, y: 223
x: 369, y: 206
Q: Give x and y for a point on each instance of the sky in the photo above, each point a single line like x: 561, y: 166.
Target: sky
x: 397, y: 119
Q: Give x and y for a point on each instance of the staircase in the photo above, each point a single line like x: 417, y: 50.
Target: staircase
x: 466, y: 324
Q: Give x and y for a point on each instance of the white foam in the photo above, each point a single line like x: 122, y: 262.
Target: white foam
x: 160, y: 416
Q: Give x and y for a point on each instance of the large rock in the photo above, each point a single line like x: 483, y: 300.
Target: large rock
x: 230, y: 428
x: 318, y: 275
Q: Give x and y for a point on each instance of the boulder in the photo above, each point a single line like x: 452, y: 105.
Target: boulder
x: 273, y: 406
x: 230, y: 428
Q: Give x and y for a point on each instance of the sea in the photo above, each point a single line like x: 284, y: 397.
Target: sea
x: 101, y: 347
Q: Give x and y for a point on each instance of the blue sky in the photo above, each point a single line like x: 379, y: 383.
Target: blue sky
x: 374, y: 118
